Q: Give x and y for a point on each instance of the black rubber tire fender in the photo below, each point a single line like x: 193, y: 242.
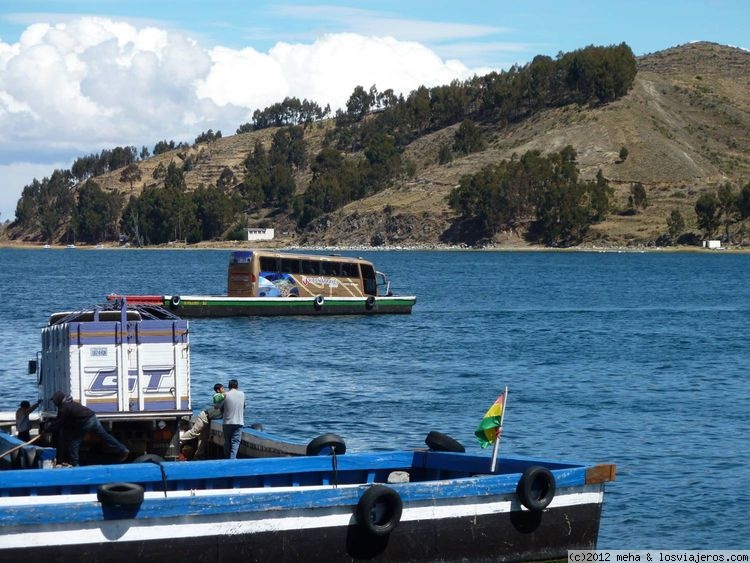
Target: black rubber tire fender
x: 318, y: 302
x: 175, y: 301
x: 149, y: 458
x: 536, y: 488
x: 440, y: 442
x: 379, y: 510
x: 120, y: 494
x: 326, y: 444
x: 370, y: 302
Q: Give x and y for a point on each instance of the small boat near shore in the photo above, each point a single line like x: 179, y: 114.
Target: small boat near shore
x: 266, y: 283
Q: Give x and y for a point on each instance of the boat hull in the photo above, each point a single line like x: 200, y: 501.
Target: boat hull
x: 426, y: 532
x: 382, y: 506
x: 206, y: 306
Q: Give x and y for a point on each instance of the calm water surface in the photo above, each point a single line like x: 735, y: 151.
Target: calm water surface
x: 634, y: 359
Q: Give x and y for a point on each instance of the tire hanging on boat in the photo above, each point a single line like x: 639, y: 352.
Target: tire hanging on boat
x: 439, y: 442
x: 326, y: 444
x: 318, y: 302
x: 175, y: 301
x: 536, y: 488
x: 120, y: 494
x: 370, y: 302
x: 379, y: 510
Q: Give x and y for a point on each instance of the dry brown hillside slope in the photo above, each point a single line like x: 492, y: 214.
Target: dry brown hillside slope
x: 685, y: 125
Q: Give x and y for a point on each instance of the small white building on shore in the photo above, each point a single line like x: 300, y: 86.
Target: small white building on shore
x: 259, y: 234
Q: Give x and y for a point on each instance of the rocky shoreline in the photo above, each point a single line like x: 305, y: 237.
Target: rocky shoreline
x: 229, y: 245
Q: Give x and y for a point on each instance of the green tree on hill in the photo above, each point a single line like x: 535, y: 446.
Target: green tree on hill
x: 48, y: 205
x: 335, y: 180
x: 675, y: 224
x: 638, y: 199
x: 130, y: 174
x: 98, y: 213
x: 468, y: 138
x: 728, y: 205
x: 214, y: 211
x: 708, y: 212
x: 544, y: 191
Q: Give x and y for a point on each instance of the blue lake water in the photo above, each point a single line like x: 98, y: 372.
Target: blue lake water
x: 634, y: 359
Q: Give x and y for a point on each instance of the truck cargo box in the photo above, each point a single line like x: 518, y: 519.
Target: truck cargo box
x: 130, y: 366
x: 124, y: 367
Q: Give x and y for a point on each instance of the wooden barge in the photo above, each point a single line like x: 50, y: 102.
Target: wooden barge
x: 264, y: 283
x: 384, y: 506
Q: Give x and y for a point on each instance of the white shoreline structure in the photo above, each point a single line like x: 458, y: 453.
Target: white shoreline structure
x: 254, y: 234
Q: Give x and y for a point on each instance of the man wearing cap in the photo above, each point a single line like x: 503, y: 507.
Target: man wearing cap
x: 75, y: 420
x: 202, y: 426
x: 23, y: 424
x: 234, y: 419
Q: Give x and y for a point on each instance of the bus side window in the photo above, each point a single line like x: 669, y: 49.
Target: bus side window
x: 330, y: 268
x: 310, y: 268
x: 289, y: 266
x: 268, y: 264
x: 349, y: 270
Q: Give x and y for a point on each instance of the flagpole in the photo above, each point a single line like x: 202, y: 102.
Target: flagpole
x: 496, y: 446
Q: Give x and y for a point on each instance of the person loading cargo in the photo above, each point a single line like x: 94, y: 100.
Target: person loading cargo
x: 202, y: 426
x: 75, y: 420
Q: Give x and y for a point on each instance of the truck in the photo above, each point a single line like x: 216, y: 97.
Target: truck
x: 129, y: 364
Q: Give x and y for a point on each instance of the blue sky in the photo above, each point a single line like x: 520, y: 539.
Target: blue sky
x: 80, y: 76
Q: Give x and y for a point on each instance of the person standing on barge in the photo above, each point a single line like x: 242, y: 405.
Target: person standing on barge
x: 234, y: 419
x: 23, y: 424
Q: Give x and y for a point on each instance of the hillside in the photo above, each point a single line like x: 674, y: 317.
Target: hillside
x: 684, y: 124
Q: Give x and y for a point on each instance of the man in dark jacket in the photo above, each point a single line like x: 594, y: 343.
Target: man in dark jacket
x: 75, y: 420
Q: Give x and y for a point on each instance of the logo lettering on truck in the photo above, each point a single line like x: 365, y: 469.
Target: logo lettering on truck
x: 156, y: 380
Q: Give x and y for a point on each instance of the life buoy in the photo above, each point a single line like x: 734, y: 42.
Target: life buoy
x: 536, y: 488
x: 318, y: 302
x: 440, y: 442
x: 370, y: 302
x: 175, y: 301
x: 379, y: 510
x: 120, y: 494
x: 326, y: 444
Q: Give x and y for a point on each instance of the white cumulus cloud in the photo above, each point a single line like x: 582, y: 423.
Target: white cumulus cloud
x: 85, y: 84
x: 325, y: 71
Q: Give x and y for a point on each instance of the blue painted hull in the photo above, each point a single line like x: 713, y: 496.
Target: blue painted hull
x: 299, y: 509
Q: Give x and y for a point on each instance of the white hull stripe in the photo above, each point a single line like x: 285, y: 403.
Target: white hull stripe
x: 228, y: 524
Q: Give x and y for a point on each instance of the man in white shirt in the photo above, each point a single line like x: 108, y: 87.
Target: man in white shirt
x: 234, y: 419
x: 23, y: 424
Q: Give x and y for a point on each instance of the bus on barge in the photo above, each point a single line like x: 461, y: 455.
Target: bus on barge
x: 268, y: 283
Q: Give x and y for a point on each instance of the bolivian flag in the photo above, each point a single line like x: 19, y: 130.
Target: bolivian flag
x: 492, y: 424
